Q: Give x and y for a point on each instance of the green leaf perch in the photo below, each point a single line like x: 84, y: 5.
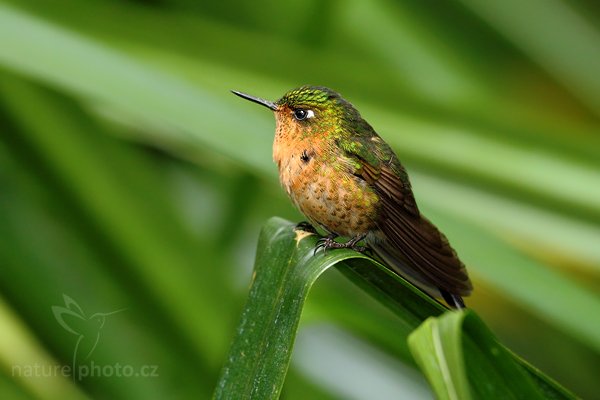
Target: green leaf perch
x: 458, y: 354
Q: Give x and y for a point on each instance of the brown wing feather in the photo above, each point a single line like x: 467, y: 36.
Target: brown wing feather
x: 420, y: 244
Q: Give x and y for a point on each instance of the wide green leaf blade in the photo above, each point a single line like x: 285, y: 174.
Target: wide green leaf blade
x: 461, y: 359
x: 285, y: 269
x: 284, y: 272
x: 436, y: 346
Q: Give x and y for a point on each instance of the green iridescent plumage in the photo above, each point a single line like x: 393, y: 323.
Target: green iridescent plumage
x: 309, y: 96
x: 350, y: 131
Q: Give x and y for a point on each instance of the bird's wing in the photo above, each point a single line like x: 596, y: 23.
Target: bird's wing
x: 409, y: 235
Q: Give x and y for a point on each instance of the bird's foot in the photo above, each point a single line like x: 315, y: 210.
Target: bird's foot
x: 328, y: 242
x: 305, y: 226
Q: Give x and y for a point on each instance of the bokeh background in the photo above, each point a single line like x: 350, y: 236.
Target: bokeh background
x: 131, y: 178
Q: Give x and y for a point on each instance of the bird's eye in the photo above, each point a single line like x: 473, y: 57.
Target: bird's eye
x: 301, y: 114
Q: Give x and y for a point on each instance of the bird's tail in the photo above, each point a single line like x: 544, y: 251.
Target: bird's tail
x: 453, y: 300
x: 394, y: 259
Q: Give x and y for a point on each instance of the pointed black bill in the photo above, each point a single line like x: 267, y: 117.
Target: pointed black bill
x: 258, y: 100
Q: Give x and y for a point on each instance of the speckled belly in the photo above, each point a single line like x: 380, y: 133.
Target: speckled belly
x: 339, y: 202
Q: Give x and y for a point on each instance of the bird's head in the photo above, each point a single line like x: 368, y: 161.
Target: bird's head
x: 308, y: 110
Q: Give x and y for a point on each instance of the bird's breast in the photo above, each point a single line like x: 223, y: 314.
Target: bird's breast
x: 323, y: 188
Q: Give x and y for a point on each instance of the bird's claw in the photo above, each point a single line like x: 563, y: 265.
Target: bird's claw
x: 325, y: 243
x: 328, y: 242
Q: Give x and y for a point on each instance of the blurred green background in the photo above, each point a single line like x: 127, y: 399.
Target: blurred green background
x: 131, y: 178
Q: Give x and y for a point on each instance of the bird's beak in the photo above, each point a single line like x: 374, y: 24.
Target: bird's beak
x: 258, y: 100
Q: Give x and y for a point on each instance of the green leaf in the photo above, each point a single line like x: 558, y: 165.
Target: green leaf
x: 286, y: 268
x: 436, y: 345
x: 462, y: 360
x: 284, y: 272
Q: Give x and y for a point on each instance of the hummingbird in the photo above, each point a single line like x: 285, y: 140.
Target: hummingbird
x: 349, y: 182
